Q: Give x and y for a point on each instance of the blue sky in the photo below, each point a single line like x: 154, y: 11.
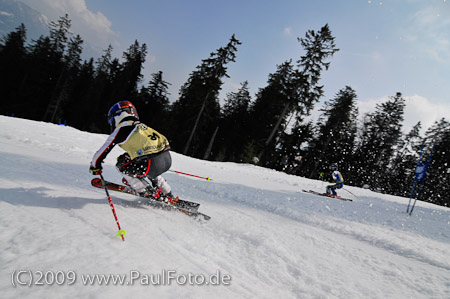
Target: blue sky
x: 385, y: 46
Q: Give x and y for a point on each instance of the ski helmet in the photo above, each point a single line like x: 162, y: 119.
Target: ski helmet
x: 334, y: 166
x: 121, y: 110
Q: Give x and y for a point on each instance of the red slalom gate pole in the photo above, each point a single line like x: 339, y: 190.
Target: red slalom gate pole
x: 121, y: 232
x: 196, y: 176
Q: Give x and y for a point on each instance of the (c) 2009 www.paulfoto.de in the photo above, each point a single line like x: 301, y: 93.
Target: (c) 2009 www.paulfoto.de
x: 134, y: 277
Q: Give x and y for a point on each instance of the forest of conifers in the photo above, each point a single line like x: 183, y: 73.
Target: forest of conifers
x: 47, y: 80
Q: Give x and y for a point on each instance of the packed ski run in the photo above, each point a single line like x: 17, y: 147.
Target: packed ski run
x: 266, y: 237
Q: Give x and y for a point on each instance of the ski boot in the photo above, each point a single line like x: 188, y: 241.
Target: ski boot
x: 167, y: 198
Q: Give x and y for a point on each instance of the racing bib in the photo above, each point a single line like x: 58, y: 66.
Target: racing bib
x: 144, y: 140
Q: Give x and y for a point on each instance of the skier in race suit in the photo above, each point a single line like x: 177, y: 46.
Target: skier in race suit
x: 338, y: 181
x: 147, y: 153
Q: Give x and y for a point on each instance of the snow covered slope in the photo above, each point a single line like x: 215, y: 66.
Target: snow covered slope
x: 266, y: 238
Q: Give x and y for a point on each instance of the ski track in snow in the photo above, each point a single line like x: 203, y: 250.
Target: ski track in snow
x: 271, y: 238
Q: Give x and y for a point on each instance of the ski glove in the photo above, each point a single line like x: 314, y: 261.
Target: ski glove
x: 95, y: 171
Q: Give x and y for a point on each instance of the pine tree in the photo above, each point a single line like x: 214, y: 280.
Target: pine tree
x: 436, y: 188
x: 403, y: 163
x: 336, y: 134
x: 380, y: 134
x: 40, y: 80
x: 72, y: 66
x: 13, y: 56
x: 104, y: 63
x: 100, y: 92
x: 292, y: 144
x: 126, y: 81
x: 72, y: 58
x: 269, y: 110
x: 319, y: 47
x: 78, y: 111
x: 196, y: 113
x: 235, y: 121
x: 293, y: 90
x: 59, y: 37
x: 153, y: 103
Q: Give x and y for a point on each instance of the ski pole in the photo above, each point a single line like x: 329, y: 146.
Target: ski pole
x: 200, y: 177
x: 411, y: 196
x: 321, y: 178
x: 121, y: 232
x: 351, y: 193
x: 415, y: 199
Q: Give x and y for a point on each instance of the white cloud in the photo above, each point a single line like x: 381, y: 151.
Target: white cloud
x: 426, y: 16
x: 418, y: 108
x: 432, y: 23
x: 93, y: 27
x: 4, y: 13
x: 288, y: 31
x: 421, y: 109
x: 369, y: 106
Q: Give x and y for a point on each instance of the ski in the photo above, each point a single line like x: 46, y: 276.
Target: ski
x: 187, y: 207
x: 325, y: 194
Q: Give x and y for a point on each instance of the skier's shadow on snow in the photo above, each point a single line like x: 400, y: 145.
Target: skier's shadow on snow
x: 39, y: 197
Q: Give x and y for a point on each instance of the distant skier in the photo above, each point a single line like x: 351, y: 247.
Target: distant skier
x: 147, y: 151
x: 338, y: 181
